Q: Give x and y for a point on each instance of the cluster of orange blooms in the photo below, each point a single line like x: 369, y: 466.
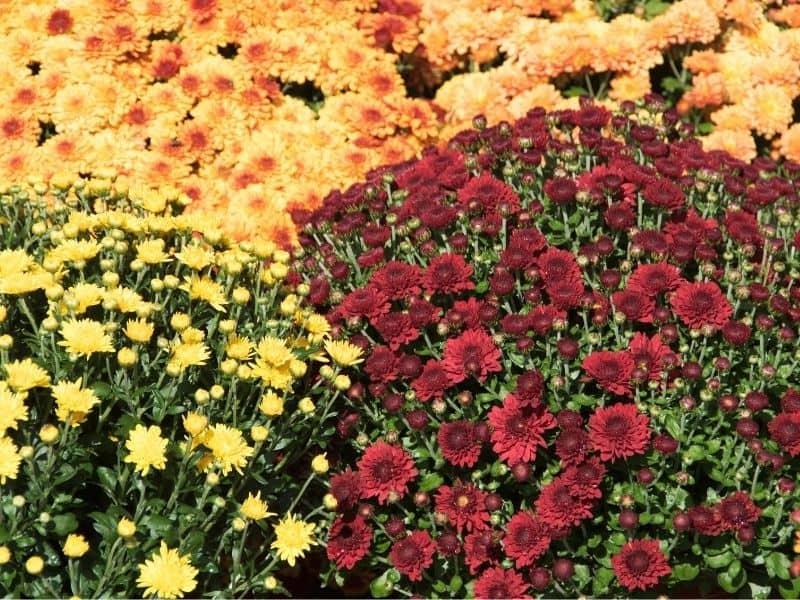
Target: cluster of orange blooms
x: 252, y: 107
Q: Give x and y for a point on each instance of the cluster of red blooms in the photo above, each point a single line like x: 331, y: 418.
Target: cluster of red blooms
x: 546, y: 307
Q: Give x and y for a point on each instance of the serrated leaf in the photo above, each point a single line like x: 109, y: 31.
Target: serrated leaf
x: 685, y: 572
x: 431, y: 482
x: 778, y: 565
x: 65, y: 524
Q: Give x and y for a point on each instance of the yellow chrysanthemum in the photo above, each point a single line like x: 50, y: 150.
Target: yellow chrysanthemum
x: 125, y: 299
x: 9, y: 460
x: 189, y: 355
x: 74, y: 250
x: 151, y: 252
x: 316, y: 326
x: 343, y: 353
x: 26, y: 282
x: 72, y: 402
x: 207, y: 290
x: 85, y: 337
x: 274, y: 351
x: 271, y: 404
x: 255, y: 508
x: 12, y: 407
x: 239, y: 347
x: 85, y: 295
x: 14, y: 262
x: 22, y: 375
x: 139, y: 330
x: 229, y: 448
x: 75, y: 546
x: 195, y: 257
x: 147, y: 448
x: 167, y: 574
x: 293, y: 537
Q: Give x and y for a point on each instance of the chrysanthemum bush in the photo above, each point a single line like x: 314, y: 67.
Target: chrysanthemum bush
x: 162, y: 416
x: 579, y: 334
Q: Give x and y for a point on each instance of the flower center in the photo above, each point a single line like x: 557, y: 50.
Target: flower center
x: 734, y: 512
x: 498, y: 590
x: 462, y: 501
x: 383, y: 470
x: 702, y: 301
x: 789, y: 430
x: 408, y: 551
x: 638, y: 561
x: 617, y: 426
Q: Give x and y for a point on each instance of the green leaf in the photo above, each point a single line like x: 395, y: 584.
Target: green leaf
x: 602, y: 578
x: 720, y: 560
x: 685, y: 572
x: 761, y: 592
x: 455, y: 583
x: 778, y: 565
x: 653, y: 8
x: 575, y: 90
x: 65, y: 523
x: 582, y: 575
x: 108, y: 477
x: 431, y: 482
x: 791, y: 590
x: 731, y: 584
x: 381, y: 587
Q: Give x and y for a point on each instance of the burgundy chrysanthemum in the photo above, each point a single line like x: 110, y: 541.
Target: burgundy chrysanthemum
x: 413, y: 554
x: 560, y: 190
x: 448, y: 274
x: 469, y: 312
x: 464, y: 505
x: 432, y: 382
x: 639, y: 564
x: 530, y: 387
x: 585, y: 478
x: 701, y: 303
x: 790, y: 401
x: 705, y: 520
x: 665, y: 194
x: 472, y: 354
x: 527, y: 538
x: 565, y: 293
x: 652, y: 279
x: 381, y: 365
x: 572, y: 445
x: 558, y: 265
x: 518, y: 429
x: 785, y: 429
x: 458, y: 443
x: 558, y: 506
x: 611, y: 370
x: 346, y: 488
x: 385, y: 469
x: 541, y: 318
x: 488, y: 194
x: 395, y: 329
x: 737, y: 510
x: 736, y: 332
x: 422, y: 313
x: 398, y: 280
x: 649, y: 354
x: 619, y: 431
x: 636, y: 306
x: 366, y: 302
x: 481, y: 547
x: 348, y: 541
x: 742, y: 226
x: 498, y: 582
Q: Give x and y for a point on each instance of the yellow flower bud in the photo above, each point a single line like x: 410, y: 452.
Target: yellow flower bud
x: 173, y: 369
x: 201, y: 396
x: 212, y: 479
x: 50, y: 324
x: 243, y: 372
x: 26, y: 452
x: 194, y: 423
x: 278, y: 270
x: 6, y: 342
x: 326, y: 371
x: 127, y: 357
x: 297, y: 368
x: 39, y: 228
x: 126, y: 528
x: 241, y: 295
x: 330, y: 502
x: 171, y: 282
x: 5, y: 555
x: 110, y: 279
x: 342, y: 382
x: 54, y: 292
x: 271, y: 404
x: 156, y: 284
x: 239, y: 524
x: 75, y: 546
x: 180, y: 321
x: 34, y: 565
x: 4, y: 312
x: 18, y: 501
x: 259, y: 433
x: 217, y: 391
x: 227, y: 326
x: 48, y: 433
x: 288, y: 307
x: 320, y: 464
x: 306, y: 405
x: 228, y: 367
x: 281, y: 256
x: 270, y: 583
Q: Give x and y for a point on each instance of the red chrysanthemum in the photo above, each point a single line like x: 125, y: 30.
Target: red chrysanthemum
x: 413, y: 554
x: 346, y: 488
x: 487, y: 194
x: 701, y: 303
x: 705, y: 520
x: 381, y: 365
x: 584, y: 479
x: 518, y: 429
x: 398, y: 280
x: 785, y: 429
x: 464, y: 505
x: 558, y: 265
x: 611, y: 370
x: 432, y: 382
x: 395, y: 329
x: 530, y: 387
x: 498, y: 582
x: 541, y: 318
x: 652, y: 279
x: 635, y: 305
x: 458, y: 443
x: 737, y: 510
x: 527, y: 538
x: 468, y: 311
x: 348, y: 541
x: 565, y: 293
x: 448, y: 274
x: 366, y: 302
x: 639, y: 564
x: 385, y: 469
x: 664, y: 194
x: 649, y: 354
x: 472, y: 354
x: 572, y: 445
x: 559, y: 507
x: 481, y: 547
x: 619, y: 431
x: 742, y: 226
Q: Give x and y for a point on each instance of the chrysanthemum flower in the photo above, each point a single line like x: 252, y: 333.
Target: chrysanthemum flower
x: 518, y: 430
x: 9, y: 460
x: 195, y: 257
x: 472, y: 354
x: 349, y: 541
x: 151, y: 252
x: 228, y: 447
x: 649, y: 354
x: 448, y: 274
x: 75, y: 546
x: 432, y: 382
x: 185, y: 355
x: 458, y: 444
x: 737, y: 510
x: 558, y: 506
x: 619, y: 431
x: 207, y: 290
x: 12, y: 407
x: 139, y: 330
x: 464, y: 505
x: 481, y: 547
x: 611, y: 370
x: 527, y: 538
x: 385, y: 469
x: 146, y: 448
x: 254, y: 507
x: 73, y: 403
x: 293, y: 537
x: 413, y: 554
x: 23, y: 375
x: 85, y: 337
x: 167, y: 574
x: 639, y: 564
x: 701, y: 303
x: 785, y: 429
x: 346, y: 488
x: 497, y: 582
x: 343, y: 353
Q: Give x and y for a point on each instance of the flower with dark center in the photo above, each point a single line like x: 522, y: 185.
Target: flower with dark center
x: 705, y: 520
x: 385, y: 469
x: 619, y: 431
x: 481, y: 547
x: 572, y: 445
x: 448, y: 274
x: 737, y: 510
x: 736, y: 332
x: 432, y: 382
x: 497, y: 582
x: 472, y: 354
x: 652, y: 279
x: 584, y: 479
x: 346, y: 488
x: 701, y: 303
x: 785, y: 429
x: 398, y: 280
x: 611, y: 370
x: 464, y: 505
x: 348, y: 541
x: 527, y: 538
x: 518, y: 429
x: 639, y: 564
x: 458, y: 443
x: 413, y: 554
x: 557, y: 506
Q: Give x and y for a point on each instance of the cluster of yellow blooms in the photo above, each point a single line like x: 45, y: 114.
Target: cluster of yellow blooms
x: 205, y: 94
x: 172, y: 343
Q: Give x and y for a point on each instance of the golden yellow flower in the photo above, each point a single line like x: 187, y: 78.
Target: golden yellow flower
x: 75, y: 546
x: 239, y: 347
x: 81, y: 296
x: 255, y: 508
x: 274, y: 351
x: 167, y: 574
x: 195, y: 257
x: 271, y: 404
x: 12, y: 407
x: 188, y: 355
x: 147, y: 448
x: 34, y: 565
x: 139, y: 330
x: 273, y: 363
x: 125, y: 299
x: 74, y: 251
x: 207, y: 290
x: 228, y: 447
x: 73, y: 403
x: 23, y: 375
x: 14, y: 262
x: 194, y: 423
x: 320, y: 464
x: 344, y: 353
x: 9, y: 460
x: 293, y: 537
x: 316, y: 326
x: 151, y: 252
x: 192, y: 335
x: 85, y: 337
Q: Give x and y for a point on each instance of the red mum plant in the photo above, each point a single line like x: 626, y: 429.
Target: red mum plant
x: 640, y: 564
x: 575, y: 327
x: 349, y: 540
x: 500, y: 583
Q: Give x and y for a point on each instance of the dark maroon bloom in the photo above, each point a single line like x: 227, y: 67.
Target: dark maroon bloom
x: 448, y: 274
x: 628, y: 519
x: 432, y: 382
x: 348, y: 541
x: 448, y: 544
x: 458, y: 443
x: 488, y: 194
x: 381, y: 365
x: 346, y: 488
x: 572, y: 445
x: 417, y: 419
x: 652, y: 241
x: 530, y: 387
x: 527, y: 538
x: 518, y: 429
x: 409, y: 366
x: 705, y: 520
x: 385, y: 469
x: 736, y: 332
x: 464, y: 505
x: 413, y: 554
x: 619, y: 431
x: 620, y: 216
x: 747, y: 428
x: 790, y: 402
x: 651, y: 354
x: 701, y: 303
x: 540, y: 578
x: 398, y: 280
x: 472, y: 354
x: 497, y: 582
x: 635, y: 305
x: 611, y: 370
x: 665, y: 443
x: 756, y: 401
x: 737, y: 510
x: 366, y: 302
x: 639, y: 564
x: 481, y: 547
x: 375, y: 235
x: 558, y: 506
x: 584, y: 479
x: 556, y: 266
x: 652, y: 279
x: 568, y: 348
x: 560, y: 190
x: 785, y: 429
x: 396, y: 329
x: 664, y: 194
x: 563, y: 569
x: 566, y: 293
x: 422, y: 313
x: 742, y: 226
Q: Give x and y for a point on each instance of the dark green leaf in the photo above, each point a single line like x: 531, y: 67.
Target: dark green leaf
x: 430, y: 482
x: 65, y: 524
x: 720, y: 560
x: 778, y: 565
